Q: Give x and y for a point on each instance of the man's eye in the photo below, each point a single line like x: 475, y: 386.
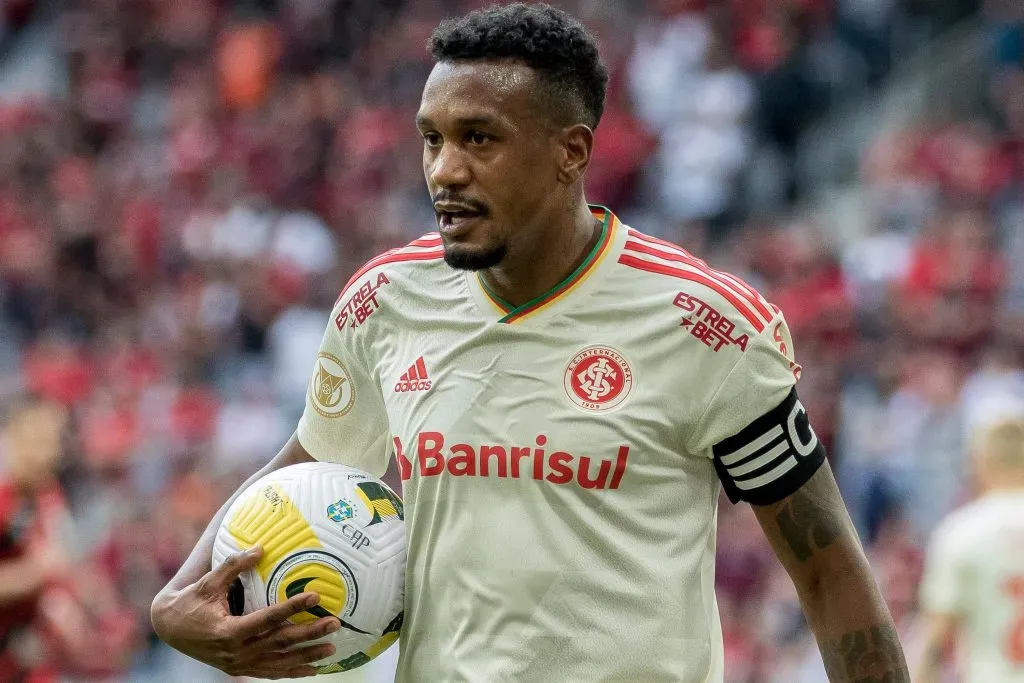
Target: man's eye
x: 478, y: 138
x: 432, y: 139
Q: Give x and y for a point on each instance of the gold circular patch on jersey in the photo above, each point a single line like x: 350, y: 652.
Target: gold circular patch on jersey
x: 331, y: 390
x: 598, y: 379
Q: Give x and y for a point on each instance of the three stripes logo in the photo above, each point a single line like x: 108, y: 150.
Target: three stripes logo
x: 414, y: 379
x: 769, y: 449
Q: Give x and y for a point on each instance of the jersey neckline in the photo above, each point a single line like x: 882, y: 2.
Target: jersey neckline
x: 583, y: 273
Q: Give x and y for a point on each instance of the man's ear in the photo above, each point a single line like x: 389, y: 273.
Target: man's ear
x: 576, y: 146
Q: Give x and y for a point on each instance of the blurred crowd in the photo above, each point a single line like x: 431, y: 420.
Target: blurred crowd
x: 178, y: 214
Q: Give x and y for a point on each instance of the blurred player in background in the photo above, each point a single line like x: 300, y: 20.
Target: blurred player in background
x: 59, y: 615
x: 32, y: 556
x: 566, y: 397
x: 973, y: 589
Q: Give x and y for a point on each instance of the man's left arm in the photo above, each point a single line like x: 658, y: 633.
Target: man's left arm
x: 765, y: 452
x: 812, y: 535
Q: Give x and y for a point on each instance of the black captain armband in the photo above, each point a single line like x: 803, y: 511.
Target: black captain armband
x: 772, y: 457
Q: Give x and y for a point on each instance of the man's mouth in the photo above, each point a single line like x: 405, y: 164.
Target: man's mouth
x: 454, y: 220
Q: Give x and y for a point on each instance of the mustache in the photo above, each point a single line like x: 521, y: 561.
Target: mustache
x: 455, y: 198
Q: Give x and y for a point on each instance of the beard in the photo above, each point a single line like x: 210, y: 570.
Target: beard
x: 474, y: 258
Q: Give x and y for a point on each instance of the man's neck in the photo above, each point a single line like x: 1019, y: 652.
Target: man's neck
x: 529, y: 274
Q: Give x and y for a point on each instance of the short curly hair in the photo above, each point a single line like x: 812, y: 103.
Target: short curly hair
x: 546, y: 39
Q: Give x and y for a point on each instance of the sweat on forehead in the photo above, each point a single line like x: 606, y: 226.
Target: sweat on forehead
x: 509, y: 86
x: 498, y: 79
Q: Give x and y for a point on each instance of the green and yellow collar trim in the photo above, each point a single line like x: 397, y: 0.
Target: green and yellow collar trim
x: 512, y: 314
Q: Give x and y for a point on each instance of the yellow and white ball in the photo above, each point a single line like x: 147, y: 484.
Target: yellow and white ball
x: 333, y: 530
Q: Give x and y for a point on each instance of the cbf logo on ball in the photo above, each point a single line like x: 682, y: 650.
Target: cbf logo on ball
x: 598, y: 379
x: 339, y: 511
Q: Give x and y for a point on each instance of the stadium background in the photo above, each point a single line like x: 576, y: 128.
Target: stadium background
x: 184, y: 187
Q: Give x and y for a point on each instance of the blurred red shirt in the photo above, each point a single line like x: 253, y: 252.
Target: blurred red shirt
x: 22, y: 518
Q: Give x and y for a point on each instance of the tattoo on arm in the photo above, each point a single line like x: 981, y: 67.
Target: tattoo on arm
x: 807, y: 524
x: 811, y: 533
x: 871, y: 655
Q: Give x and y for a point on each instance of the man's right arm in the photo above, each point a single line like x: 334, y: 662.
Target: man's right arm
x: 191, y: 612
x: 345, y: 421
x: 939, y: 640
x: 20, y: 578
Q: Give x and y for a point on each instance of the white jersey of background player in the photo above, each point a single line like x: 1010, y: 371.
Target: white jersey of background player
x: 973, y: 589
x: 565, y: 397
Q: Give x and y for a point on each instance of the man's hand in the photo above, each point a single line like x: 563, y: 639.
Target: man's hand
x: 48, y: 558
x: 44, y: 561
x: 197, y: 621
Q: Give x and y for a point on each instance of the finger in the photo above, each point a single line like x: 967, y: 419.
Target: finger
x: 219, y: 580
x: 271, y: 617
x: 275, y: 674
x: 280, y: 662
x: 290, y: 635
x: 302, y: 672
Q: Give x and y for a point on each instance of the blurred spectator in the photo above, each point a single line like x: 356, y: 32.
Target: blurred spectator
x: 952, y: 284
x: 33, y: 555
x: 51, y: 604
x: 994, y: 391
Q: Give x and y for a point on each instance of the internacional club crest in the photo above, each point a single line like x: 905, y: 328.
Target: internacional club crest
x: 331, y: 391
x: 598, y: 379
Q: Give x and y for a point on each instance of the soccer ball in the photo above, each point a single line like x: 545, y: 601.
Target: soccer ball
x: 333, y: 530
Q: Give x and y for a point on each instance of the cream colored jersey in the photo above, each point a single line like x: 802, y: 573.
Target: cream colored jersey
x: 562, y: 460
x: 975, y: 570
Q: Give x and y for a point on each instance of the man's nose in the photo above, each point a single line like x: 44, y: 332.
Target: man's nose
x: 450, y: 168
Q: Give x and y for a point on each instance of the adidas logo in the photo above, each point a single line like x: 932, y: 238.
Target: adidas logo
x: 413, y: 379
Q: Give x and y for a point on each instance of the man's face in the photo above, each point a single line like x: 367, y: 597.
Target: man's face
x: 488, y: 157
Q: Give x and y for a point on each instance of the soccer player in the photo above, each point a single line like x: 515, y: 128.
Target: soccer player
x: 973, y: 588
x: 565, y: 396
x: 32, y: 557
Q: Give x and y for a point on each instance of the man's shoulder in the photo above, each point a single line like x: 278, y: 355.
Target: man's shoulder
x: 703, y: 296
x: 422, y: 254
x: 970, y: 525
x: 418, y: 266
